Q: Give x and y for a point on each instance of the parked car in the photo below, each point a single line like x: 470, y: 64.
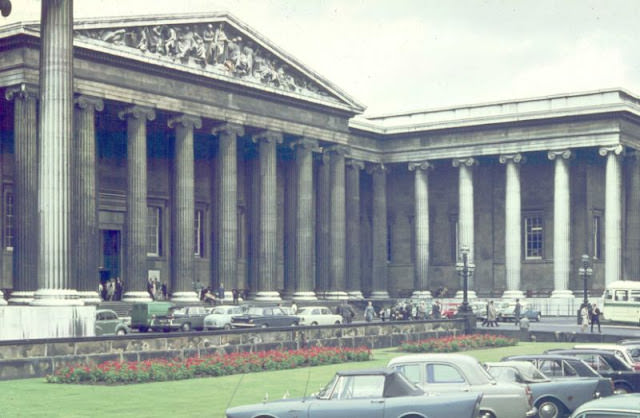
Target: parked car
x: 263, y: 317
x: 379, y: 393
x: 620, y: 350
x: 184, y: 319
x: 318, y: 315
x: 438, y: 373
x: 219, y: 317
x: 625, y: 379
x: 142, y: 313
x: 555, y: 365
x: 553, y: 397
x: 108, y: 323
x: 634, y: 348
x: 504, y: 312
x: 622, y: 406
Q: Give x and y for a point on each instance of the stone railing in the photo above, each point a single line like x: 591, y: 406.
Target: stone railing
x: 37, y: 358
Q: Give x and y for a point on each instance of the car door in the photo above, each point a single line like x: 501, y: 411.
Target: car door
x: 106, y: 323
x: 354, y: 397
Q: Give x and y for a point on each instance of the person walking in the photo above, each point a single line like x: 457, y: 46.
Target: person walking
x: 492, y: 315
x: 369, y: 312
x: 584, y: 318
x: 595, y: 317
x: 517, y: 311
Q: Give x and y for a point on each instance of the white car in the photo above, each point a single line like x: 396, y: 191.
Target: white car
x: 318, y: 315
x: 220, y: 316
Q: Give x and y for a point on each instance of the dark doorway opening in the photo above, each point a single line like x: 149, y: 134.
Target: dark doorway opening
x: 111, y: 254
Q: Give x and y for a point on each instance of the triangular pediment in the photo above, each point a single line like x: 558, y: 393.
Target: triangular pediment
x: 215, y: 45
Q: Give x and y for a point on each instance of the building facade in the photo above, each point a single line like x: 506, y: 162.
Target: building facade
x: 201, y: 152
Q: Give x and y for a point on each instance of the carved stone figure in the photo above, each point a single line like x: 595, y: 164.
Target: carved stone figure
x: 220, y: 42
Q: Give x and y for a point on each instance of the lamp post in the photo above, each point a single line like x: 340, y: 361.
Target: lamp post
x: 465, y: 269
x: 585, y: 271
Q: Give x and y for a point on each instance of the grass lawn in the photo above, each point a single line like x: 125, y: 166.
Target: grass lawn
x: 192, y: 398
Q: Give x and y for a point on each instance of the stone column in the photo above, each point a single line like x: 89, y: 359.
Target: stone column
x: 612, y: 214
x: 421, y: 220
x: 25, y: 192
x: 304, y: 236
x: 85, y: 202
x: 561, y: 224
x: 632, y: 247
x: 135, y: 248
x: 354, y: 274
x: 379, y: 231
x: 268, y: 238
x: 322, y: 225
x: 227, y: 205
x: 337, y: 225
x: 466, y: 212
x: 55, y: 284
x: 513, y: 225
x: 183, y: 210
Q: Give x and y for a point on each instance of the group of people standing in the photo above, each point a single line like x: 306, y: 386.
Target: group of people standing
x: 111, y: 290
x: 589, y: 314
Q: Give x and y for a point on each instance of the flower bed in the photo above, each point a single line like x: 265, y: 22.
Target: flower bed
x: 457, y: 343
x: 157, y: 370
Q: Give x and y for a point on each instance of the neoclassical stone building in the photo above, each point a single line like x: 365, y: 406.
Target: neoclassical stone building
x: 202, y: 152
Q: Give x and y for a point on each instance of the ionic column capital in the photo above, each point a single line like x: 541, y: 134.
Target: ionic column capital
x: 514, y: 158
x: 89, y: 103
x: 307, y: 144
x: 23, y: 91
x: 187, y: 121
x: 422, y: 166
x: 374, y: 168
x: 228, y: 128
x: 337, y: 150
x: 613, y: 149
x: 564, y: 154
x: 467, y: 161
x: 268, y: 136
x: 137, y: 112
x: 355, y: 164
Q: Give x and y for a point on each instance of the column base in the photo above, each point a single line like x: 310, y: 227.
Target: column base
x: 421, y: 294
x: 336, y: 295
x: 136, y: 296
x: 309, y: 295
x: 513, y: 294
x: 185, y: 297
x: 89, y: 297
x: 268, y: 296
x: 56, y: 297
x: 564, y: 294
x: 379, y: 294
x: 355, y: 295
x: 21, y: 297
x: 471, y: 294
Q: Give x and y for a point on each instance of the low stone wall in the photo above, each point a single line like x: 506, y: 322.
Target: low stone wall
x: 37, y: 358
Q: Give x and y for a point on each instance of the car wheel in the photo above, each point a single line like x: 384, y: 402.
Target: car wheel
x: 487, y: 414
x: 337, y: 323
x: 186, y: 327
x: 227, y: 326
x: 314, y: 323
x: 121, y: 332
x: 548, y: 408
x: 621, y: 390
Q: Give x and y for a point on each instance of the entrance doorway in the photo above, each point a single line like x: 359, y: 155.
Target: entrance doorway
x: 111, y: 254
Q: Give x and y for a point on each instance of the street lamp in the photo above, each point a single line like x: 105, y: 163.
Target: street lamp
x: 465, y: 269
x: 585, y: 271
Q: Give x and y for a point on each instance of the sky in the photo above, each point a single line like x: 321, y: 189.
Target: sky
x: 403, y: 55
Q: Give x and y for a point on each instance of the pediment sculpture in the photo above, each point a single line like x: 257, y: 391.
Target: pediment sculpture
x: 216, y: 47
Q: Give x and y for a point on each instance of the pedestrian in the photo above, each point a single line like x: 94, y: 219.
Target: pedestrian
x: 595, y: 317
x: 492, y: 315
x: 163, y: 289
x: 369, y: 312
x: 485, y: 321
x: 221, y: 291
x: 119, y: 289
x: 435, y: 310
x: 294, y: 308
x: 517, y: 311
x: 235, y: 294
x: 584, y: 317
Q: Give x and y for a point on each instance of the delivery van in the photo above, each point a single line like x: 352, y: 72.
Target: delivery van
x: 142, y: 313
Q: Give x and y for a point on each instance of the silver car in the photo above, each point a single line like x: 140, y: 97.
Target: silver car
x: 441, y: 373
x: 219, y: 317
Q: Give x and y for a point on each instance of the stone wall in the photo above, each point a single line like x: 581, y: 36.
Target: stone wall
x: 37, y: 358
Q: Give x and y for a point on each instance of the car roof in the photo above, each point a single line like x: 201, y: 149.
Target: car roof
x: 629, y: 401
x: 106, y: 310
x: 462, y: 358
x: 385, y: 371
x: 548, y: 356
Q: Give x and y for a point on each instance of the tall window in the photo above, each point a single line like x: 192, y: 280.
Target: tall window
x: 153, y: 231
x: 597, y: 237
x: 533, y: 237
x: 9, y: 220
x: 198, y: 234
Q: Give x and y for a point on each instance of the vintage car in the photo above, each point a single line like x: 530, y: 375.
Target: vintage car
x: 442, y: 373
x: 554, y: 365
x: 108, y: 323
x: 504, y: 312
x: 264, y: 317
x: 219, y: 317
x: 622, y: 406
x: 620, y: 350
x: 318, y: 315
x: 184, y: 319
x: 625, y: 379
x: 553, y: 397
x: 377, y: 393
x: 634, y: 348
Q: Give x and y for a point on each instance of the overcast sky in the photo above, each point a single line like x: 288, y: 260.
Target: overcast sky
x: 398, y: 55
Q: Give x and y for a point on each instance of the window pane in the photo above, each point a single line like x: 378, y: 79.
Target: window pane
x: 533, y: 236
x: 441, y: 373
x: 153, y: 231
x: 9, y: 231
x: 197, y: 227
